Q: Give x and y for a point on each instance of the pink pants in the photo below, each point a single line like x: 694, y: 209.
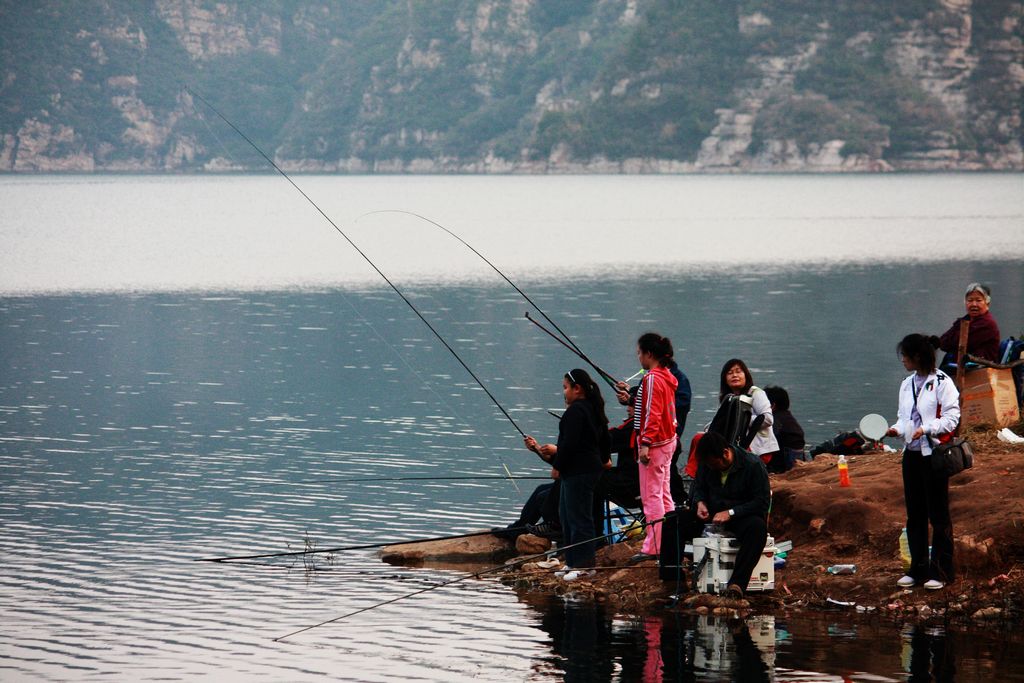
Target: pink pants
x: 655, y: 492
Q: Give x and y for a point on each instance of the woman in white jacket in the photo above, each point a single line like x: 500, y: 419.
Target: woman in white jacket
x: 929, y: 412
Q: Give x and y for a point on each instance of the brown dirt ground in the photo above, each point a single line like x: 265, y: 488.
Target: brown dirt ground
x: 857, y: 525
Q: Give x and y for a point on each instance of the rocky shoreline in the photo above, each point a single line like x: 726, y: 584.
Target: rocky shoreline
x: 827, y: 525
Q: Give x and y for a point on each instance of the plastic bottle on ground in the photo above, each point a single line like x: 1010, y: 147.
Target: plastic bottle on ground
x: 905, y: 550
x: 844, y: 471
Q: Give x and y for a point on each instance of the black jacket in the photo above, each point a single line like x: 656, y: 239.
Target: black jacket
x: 684, y: 395
x: 583, y: 444
x: 788, y: 431
x: 746, y: 490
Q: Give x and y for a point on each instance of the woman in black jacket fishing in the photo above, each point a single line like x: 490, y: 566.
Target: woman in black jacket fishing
x: 577, y: 460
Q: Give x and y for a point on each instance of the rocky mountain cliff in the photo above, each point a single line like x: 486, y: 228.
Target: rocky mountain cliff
x: 512, y: 86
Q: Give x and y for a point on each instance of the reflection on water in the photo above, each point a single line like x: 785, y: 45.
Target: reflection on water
x: 931, y: 656
x: 589, y: 643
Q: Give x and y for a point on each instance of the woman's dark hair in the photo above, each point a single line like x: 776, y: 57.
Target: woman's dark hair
x: 777, y: 396
x: 591, y: 392
x: 920, y: 349
x: 723, y: 388
x: 711, y: 445
x: 656, y: 345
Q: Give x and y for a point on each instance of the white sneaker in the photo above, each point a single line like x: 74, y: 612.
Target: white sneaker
x: 933, y: 584
x: 565, y: 569
x: 907, y: 582
x: 576, y: 574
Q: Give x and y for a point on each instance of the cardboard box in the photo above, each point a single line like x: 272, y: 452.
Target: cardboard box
x: 989, y: 397
x: 721, y: 551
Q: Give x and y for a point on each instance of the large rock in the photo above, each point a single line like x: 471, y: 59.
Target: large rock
x: 528, y: 544
x: 972, y: 554
x: 485, y: 547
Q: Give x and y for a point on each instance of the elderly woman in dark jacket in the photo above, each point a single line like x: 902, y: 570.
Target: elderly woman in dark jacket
x: 983, y: 334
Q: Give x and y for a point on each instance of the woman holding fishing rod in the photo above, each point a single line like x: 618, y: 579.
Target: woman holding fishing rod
x: 655, y: 425
x: 577, y: 460
x: 683, y: 399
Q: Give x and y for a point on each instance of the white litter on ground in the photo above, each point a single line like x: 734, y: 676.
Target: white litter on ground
x: 1005, y: 434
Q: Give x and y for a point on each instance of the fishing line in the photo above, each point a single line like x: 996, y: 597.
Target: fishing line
x: 490, y: 570
x: 568, y: 342
x: 429, y: 387
x: 367, y: 259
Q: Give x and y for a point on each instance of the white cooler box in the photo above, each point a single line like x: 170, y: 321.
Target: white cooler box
x: 721, y: 551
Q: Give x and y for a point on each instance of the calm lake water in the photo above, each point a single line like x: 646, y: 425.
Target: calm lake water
x: 194, y: 367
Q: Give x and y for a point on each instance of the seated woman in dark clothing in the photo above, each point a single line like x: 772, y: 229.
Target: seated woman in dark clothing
x: 619, y: 484
x: 787, y: 430
x: 542, y: 504
x: 983, y: 334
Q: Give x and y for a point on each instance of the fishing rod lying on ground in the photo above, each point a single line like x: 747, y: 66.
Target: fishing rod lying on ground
x: 565, y: 340
x: 367, y: 546
x: 365, y: 258
x: 490, y: 570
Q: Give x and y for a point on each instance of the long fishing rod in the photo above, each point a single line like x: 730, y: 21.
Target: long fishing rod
x: 565, y: 339
x: 485, y: 260
x: 371, y: 480
x: 490, y: 570
x: 604, y: 375
x: 241, y: 559
x: 365, y: 257
x: 367, y: 546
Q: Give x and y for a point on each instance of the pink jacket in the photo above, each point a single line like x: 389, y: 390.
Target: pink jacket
x: 657, y: 411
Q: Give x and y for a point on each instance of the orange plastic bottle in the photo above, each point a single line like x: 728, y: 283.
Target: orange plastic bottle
x: 844, y: 471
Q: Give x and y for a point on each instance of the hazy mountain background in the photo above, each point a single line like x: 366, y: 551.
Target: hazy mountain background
x: 531, y: 86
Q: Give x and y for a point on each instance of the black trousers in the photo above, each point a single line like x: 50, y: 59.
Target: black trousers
x: 927, y: 497
x: 621, y: 486
x: 576, y: 511
x: 752, y: 533
x: 539, y: 504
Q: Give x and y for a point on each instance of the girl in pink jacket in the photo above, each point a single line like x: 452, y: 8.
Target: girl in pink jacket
x: 655, y: 424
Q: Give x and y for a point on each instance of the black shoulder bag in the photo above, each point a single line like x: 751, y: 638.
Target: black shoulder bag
x: 953, y: 456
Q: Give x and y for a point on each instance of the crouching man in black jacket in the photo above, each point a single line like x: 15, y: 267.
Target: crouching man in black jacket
x: 732, y: 489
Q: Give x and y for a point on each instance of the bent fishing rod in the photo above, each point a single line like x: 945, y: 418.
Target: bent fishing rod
x: 582, y: 356
x: 365, y: 258
x: 565, y: 340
